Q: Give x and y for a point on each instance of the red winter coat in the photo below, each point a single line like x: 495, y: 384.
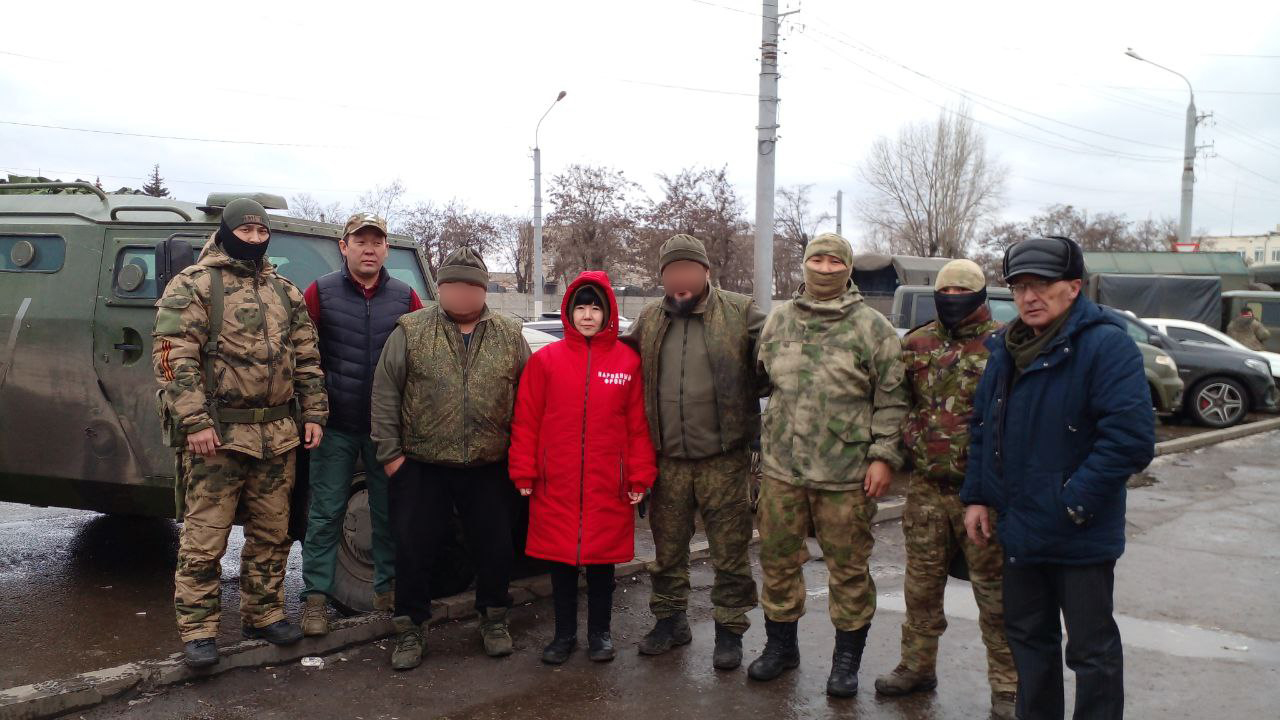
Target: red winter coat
x: 581, y: 442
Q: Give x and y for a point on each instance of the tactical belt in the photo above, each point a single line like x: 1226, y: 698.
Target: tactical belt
x: 257, y: 416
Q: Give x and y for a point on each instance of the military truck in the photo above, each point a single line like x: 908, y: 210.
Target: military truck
x: 80, y: 272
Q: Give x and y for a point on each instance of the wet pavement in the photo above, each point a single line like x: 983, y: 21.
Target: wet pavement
x: 1171, y: 429
x: 81, y: 591
x: 1195, y: 598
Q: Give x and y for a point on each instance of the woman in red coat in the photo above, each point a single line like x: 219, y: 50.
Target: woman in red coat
x: 580, y: 450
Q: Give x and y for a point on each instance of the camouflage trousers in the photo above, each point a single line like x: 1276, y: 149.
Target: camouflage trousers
x: 841, y: 520
x: 220, y: 489
x: 716, y: 489
x: 933, y: 523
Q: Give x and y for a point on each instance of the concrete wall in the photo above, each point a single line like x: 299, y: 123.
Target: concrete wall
x: 521, y: 304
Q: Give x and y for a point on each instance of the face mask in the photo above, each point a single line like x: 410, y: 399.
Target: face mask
x: 826, y: 285
x: 239, y: 249
x: 953, y: 309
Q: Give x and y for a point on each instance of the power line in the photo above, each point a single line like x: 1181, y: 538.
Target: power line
x: 81, y: 173
x: 1229, y: 161
x: 161, y: 137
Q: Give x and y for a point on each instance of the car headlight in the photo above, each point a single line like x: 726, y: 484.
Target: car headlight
x: 1257, y: 365
x: 1167, y: 361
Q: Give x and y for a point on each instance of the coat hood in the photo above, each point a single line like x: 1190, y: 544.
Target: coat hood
x: 600, y: 279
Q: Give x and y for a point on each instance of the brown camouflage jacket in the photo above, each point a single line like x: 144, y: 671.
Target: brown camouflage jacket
x: 267, y: 353
x: 942, y: 375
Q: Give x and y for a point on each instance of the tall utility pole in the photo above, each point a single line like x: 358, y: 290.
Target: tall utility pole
x: 538, y: 282
x: 766, y: 143
x: 1188, y: 151
x: 840, y: 213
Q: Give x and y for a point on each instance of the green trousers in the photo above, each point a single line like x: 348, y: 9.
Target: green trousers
x: 332, y: 465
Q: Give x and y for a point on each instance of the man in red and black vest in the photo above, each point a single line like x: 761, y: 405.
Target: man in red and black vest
x: 354, y: 310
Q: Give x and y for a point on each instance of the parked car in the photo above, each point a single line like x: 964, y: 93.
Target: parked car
x: 537, y: 339
x: 1223, y: 383
x: 1194, y: 332
x: 913, y: 306
x: 551, y: 325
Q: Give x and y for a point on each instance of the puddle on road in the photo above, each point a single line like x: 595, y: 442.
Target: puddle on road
x: 1166, y: 637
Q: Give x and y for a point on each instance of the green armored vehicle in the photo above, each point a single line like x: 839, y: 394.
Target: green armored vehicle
x: 80, y: 272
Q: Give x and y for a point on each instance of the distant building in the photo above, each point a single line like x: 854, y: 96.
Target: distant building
x: 1255, y: 249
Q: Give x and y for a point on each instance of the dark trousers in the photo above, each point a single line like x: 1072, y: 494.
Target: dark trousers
x: 1035, y: 596
x: 564, y: 590
x: 422, y: 500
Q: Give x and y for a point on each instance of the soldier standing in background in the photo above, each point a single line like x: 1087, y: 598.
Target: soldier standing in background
x: 944, y: 360
x: 1246, y: 330
x: 237, y: 360
x: 697, y: 346
x: 829, y: 445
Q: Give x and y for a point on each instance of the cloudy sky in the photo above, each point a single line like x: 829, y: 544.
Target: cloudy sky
x: 335, y: 98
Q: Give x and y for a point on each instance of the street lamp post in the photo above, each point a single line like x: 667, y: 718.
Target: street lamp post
x: 538, y: 282
x: 1188, y: 153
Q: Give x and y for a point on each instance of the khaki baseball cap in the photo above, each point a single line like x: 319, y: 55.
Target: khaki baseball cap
x: 362, y: 220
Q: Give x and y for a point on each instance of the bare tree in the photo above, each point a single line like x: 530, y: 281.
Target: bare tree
x: 704, y: 204
x: 440, y: 230
x: 932, y: 187
x: 386, y: 201
x: 794, y: 225
x: 593, y: 222
x: 307, y: 207
x: 516, y: 250
x: 1095, y: 232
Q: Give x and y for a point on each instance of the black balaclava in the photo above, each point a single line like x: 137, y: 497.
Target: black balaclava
x: 953, y: 309
x: 242, y: 211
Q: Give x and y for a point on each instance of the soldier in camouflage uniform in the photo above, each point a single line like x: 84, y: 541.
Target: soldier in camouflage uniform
x: 829, y: 445
x: 945, y: 359
x: 1248, y: 330
x: 444, y: 397
x: 233, y: 397
x: 697, y: 346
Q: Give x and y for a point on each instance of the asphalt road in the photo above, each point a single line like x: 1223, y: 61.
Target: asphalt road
x: 1195, y: 595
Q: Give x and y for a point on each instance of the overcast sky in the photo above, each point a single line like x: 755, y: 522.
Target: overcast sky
x: 445, y: 96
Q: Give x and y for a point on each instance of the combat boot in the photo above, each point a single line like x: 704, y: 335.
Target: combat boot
x: 904, y: 681
x: 280, y: 632
x: 846, y: 660
x: 411, y: 642
x: 494, y: 632
x: 559, y: 649
x: 385, y: 601
x: 1003, y: 705
x: 728, y: 652
x: 315, y: 622
x: 667, y: 633
x: 200, y: 653
x: 781, y: 652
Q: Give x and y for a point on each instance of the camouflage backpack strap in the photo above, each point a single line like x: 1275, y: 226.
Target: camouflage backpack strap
x: 217, y: 295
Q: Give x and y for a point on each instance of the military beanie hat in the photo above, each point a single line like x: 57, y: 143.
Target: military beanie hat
x: 464, y: 265
x: 683, y: 247
x: 243, y: 211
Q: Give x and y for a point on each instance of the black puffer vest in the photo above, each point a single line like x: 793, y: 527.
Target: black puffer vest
x: 352, y: 332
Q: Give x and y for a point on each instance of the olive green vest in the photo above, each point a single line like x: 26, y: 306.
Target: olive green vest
x: 458, y: 401
x: 732, y: 365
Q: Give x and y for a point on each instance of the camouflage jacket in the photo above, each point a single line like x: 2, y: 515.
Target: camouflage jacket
x: 267, y: 354
x: 837, y: 399
x: 1248, y: 332
x: 731, y: 325
x: 443, y: 402
x: 943, y: 371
